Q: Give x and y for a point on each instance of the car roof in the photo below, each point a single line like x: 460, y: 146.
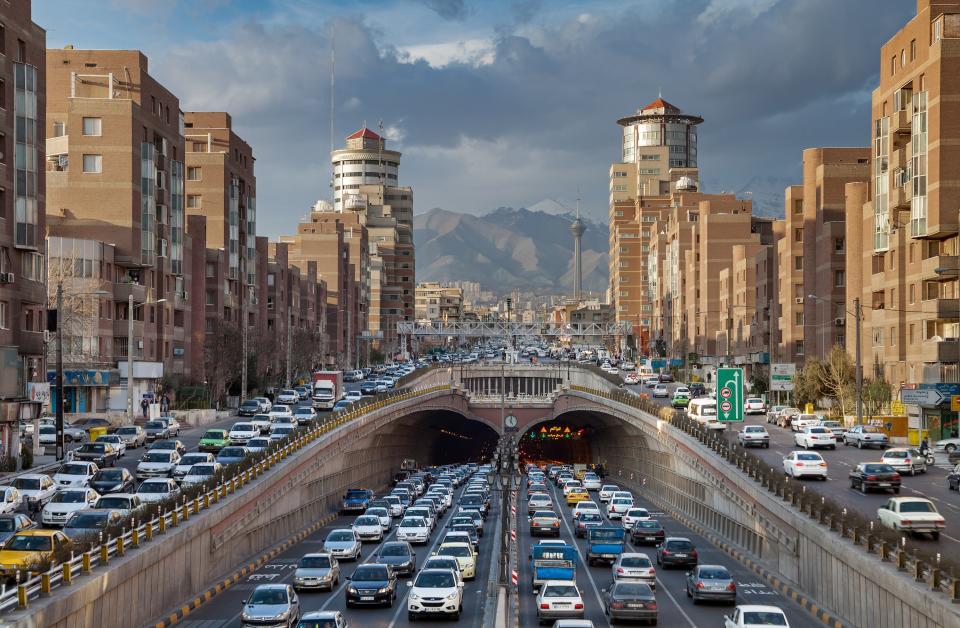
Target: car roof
x: 750, y: 608
x: 320, y: 615
x: 32, y: 476
x: 38, y: 532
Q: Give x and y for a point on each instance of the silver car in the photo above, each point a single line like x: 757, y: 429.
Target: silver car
x: 271, y: 605
x: 133, y: 435
x: 342, y: 544
x: 317, y: 571
x: 711, y: 582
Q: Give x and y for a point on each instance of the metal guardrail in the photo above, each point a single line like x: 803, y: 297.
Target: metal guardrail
x: 59, y: 575
x: 940, y: 573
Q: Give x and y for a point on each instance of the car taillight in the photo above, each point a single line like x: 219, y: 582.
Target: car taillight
x: 731, y: 587
x: 620, y: 570
x: 907, y: 522
x: 896, y: 476
x: 665, y: 552
x: 578, y: 606
x: 544, y: 606
x: 617, y: 605
x: 871, y: 477
x: 652, y: 606
x: 694, y: 553
x: 556, y: 524
x: 699, y: 585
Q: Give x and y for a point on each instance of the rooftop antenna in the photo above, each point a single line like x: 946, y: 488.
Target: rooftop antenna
x: 333, y: 85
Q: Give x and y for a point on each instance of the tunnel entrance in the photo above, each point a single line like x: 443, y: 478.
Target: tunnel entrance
x: 438, y: 437
x: 565, y: 439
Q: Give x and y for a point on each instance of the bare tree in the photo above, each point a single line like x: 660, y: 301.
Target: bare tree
x: 223, y: 353
x: 79, y: 314
x: 836, y: 376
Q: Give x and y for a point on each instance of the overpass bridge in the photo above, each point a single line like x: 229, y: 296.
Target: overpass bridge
x: 164, y: 568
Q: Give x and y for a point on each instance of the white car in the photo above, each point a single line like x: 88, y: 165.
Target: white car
x: 66, y: 502
x: 75, y: 474
x: 591, y: 482
x: 905, y: 460
x: 117, y: 441
x: 262, y: 421
x: 607, y: 491
x: 800, y: 421
x: 157, y: 463
x: 911, y: 514
x: 281, y: 412
x: 124, y: 503
x: 343, y: 544
x: 435, y: 592
x: 240, y: 433
x: 619, y: 506
x: 304, y: 415
x: 188, y: 460
x: 755, y: 616
x: 585, y: 506
x: 754, y: 405
x: 445, y: 562
x: 947, y: 445
x: 635, y: 566
x: 634, y: 515
x: 12, y: 500
x: 383, y: 514
x: 353, y: 395
x: 200, y: 473
x: 815, y: 436
x: 559, y: 599
x: 661, y: 390
x: 799, y: 464
x: 754, y: 436
x: 413, y: 530
x: 539, y: 501
x: 157, y: 489
x: 368, y: 528
x: 288, y: 397
x: 36, y: 489
x: 425, y: 513
x: 570, y: 485
x: 396, y: 506
x: 836, y: 427
x: 256, y: 445
x: 280, y: 431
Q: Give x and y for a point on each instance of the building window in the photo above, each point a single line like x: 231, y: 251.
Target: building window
x: 211, y: 270
x: 877, y: 337
x: 912, y: 292
x: 4, y: 315
x: 798, y: 235
x: 194, y: 173
x: 3, y: 94
x: 937, y: 31
x: 838, y: 245
x: 271, y: 279
x: 798, y: 347
x: 210, y: 298
x: 93, y: 163
x: 21, y: 51
x: 910, y: 336
x: 913, y: 49
x: 893, y: 337
x: 92, y: 126
x: 893, y: 65
x: 839, y: 278
x: 798, y: 206
x: 194, y: 201
x: 798, y: 262
x: 798, y: 318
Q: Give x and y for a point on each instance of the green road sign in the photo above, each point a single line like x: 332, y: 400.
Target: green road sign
x: 729, y: 394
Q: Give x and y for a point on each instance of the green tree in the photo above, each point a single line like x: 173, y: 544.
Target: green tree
x: 806, y: 384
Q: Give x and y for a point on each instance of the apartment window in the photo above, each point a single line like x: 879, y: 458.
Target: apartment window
x: 91, y: 126
x: 59, y: 129
x: 3, y: 148
x: 798, y: 235
x: 211, y: 270
x: 839, y: 278
x: 194, y: 173
x: 4, y: 315
x: 893, y: 337
x: 910, y: 334
x: 3, y: 40
x: 912, y: 291
x: 619, y: 188
x: 3, y: 94
x: 903, y: 58
x: 271, y: 279
x: 194, y: 201
x: 913, y: 49
x: 211, y: 300
x: 877, y: 337
x: 839, y: 245
x: 93, y: 163
x: 3, y: 208
x: 893, y: 65
x: 619, y: 173
x: 798, y: 262
x: 798, y: 347
x: 937, y: 31
x: 21, y: 51
x: 798, y: 318
x: 798, y: 206
x: 619, y: 214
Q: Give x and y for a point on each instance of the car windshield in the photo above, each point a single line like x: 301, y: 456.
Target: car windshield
x: 469, y: 529
x: 754, y: 428
x: 202, y: 469
x: 631, y: 589
x: 714, y: 573
x: 620, y: 501
x: 819, y: 430
x: 637, y: 512
x: 560, y: 590
x: 243, y: 427
x: 282, y: 431
x: 250, y: 404
x: 679, y: 546
x: 121, y: 503
x: 158, y: 425
x: 764, y: 618
x: 97, y: 448
x: 70, y: 497
x: 340, y: 536
x: 315, y: 562
x: 877, y: 468
x: 190, y: 459
x: 367, y: 521
x: 895, y: 454
x: 436, y: 580
x: 647, y: 525
x: 24, y: 543
x: 87, y: 520
x: 153, y: 487
x: 590, y: 516
x: 268, y: 596
x: 157, y: 456
x: 460, y: 551
x: 917, y: 507
x: 110, y: 474
x: 213, y: 434
x: 232, y: 452
x: 369, y: 572
x: 870, y: 429
x: 413, y: 522
x: 258, y: 443
x: 809, y: 457
x: 634, y: 561
x: 318, y: 623
x: 126, y: 430
x: 754, y: 400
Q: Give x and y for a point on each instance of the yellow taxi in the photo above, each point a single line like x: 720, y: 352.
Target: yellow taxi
x: 576, y: 496
x: 466, y: 557
x: 29, y: 546
x: 580, y: 473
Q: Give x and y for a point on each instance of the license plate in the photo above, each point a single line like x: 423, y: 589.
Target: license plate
x: 635, y: 605
x: 366, y: 598
x: 560, y: 605
x: 884, y: 484
x: 650, y: 538
x: 680, y: 555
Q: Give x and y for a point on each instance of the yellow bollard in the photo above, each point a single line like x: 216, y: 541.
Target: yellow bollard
x: 206, y: 500
x: 233, y: 485
x: 85, y: 562
x: 104, y: 554
x: 22, y: 596
x: 149, y: 530
x: 45, y: 583
x: 196, y: 505
x: 186, y: 511
x: 135, y: 536
x: 163, y: 524
x: 67, y: 573
x: 120, y: 548
x: 174, y: 518
x: 216, y: 494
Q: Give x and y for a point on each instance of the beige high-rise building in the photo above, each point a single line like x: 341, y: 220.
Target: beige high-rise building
x: 439, y: 302
x: 904, y: 250
x: 366, y: 183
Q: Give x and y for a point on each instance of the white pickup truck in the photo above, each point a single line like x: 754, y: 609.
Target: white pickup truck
x: 911, y: 514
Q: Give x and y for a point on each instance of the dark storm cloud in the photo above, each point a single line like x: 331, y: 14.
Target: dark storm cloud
x: 769, y: 82
x: 448, y: 9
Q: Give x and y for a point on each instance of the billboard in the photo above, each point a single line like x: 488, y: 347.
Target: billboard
x: 781, y: 376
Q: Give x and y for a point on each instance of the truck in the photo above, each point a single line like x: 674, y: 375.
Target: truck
x: 356, y: 500
x: 604, y: 544
x: 326, y: 389
x: 552, y: 561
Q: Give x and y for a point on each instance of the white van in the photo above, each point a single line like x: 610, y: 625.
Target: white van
x: 704, y: 411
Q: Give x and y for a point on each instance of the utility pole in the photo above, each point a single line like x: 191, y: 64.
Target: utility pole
x: 243, y: 331
x: 859, y: 365
x: 130, y: 359
x: 59, y: 373
x: 289, y: 344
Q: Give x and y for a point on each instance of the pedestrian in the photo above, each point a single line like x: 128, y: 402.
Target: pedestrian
x: 164, y: 404
x: 145, y: 407
x: 924, y: 446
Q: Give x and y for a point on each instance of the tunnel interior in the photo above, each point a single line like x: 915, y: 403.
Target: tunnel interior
x: 442, y: 437
x: 574, y: 437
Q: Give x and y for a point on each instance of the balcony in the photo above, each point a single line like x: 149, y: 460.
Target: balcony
x: 950, y: 263
x: 900, y: 196
x: 940, y: 351
x: 120, y: 328
x: 122, y: 292
x: 900, y: 121
x: 948, y: 309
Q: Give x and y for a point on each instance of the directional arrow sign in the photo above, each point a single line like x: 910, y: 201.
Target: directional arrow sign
x: 730, y: 389
x: 922, y: 397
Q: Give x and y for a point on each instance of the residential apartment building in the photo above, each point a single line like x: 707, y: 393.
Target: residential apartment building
x: 23, y: 79
x: 906, y: 241
x: 438, y: 302
x: 115, y: 174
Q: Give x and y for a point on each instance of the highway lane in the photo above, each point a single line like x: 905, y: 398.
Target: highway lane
x: 675, y: 610
x: 931, y: 485
x: 223, y: 611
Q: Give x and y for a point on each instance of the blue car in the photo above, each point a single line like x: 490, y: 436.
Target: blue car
x: 229, y: 455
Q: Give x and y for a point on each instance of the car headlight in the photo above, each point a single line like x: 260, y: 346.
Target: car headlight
x: 384, y: 590
x: 281, y: 616
x: 414, y: 596
x: 452, y: 596
x: 352, y: 590
x: 244, y: 616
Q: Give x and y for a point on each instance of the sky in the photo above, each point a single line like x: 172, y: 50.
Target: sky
x: 505, y: 102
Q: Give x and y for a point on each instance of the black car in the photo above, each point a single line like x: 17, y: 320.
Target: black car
x: 86, y: 424
x: 953, y: 480
x: 647, y: 532
x: 373, y: 585
x: 470, y: 529
x: 676, y: 551
x: 104, y: 454
x: 249, y: 407
x: 113, y: 481
x: 874, y: 475
x: 171, y: 444
x: 697, y: 390
x: 630, y: 600
x: 399, y: 556
x: 368, y: 388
